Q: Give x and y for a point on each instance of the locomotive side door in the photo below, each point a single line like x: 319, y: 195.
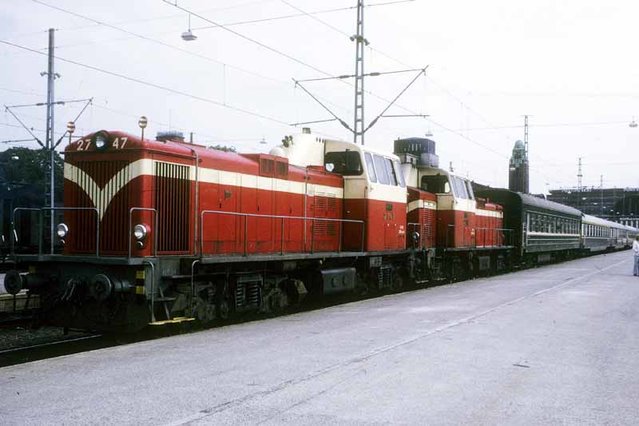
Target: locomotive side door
x: 228, y: 226
x: 262, y: 226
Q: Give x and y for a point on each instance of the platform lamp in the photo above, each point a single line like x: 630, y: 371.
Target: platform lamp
x: 188, y: 35
x: 70, y: 129
x: 142, y: 122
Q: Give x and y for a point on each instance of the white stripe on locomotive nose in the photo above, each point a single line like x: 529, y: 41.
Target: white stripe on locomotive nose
x: 102, y: 197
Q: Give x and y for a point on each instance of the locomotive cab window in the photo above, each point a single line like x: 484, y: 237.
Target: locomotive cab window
x: 398, y: 172
x: 459, y: 187
x: 382, y: 171
x: 370, y: 167
x: 346, y: 163
x: 390, y: 171
x: 437, y: 184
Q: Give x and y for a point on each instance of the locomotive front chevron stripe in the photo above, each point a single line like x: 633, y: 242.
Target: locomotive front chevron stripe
x: 101, y: 196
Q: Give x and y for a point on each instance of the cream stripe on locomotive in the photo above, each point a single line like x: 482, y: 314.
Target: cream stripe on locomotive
x: 489, y: 213
x: 265, y: 183
x: 447, y: 202
x: 101, y: 197
x: 358, y: 188
x: 421, y: 204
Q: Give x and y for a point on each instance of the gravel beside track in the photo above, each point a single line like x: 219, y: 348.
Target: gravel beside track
x: 20, y: 337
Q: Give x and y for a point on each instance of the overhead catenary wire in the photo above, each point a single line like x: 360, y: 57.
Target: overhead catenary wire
x: 467, y: 138
x: 224, y: 27
x: 332, y: 27
x: 274, y: 50
x: 170, y: 46
x: 153, y: 85
x: 249, y: 39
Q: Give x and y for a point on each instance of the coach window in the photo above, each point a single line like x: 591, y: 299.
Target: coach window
x: 370, y: 167
x: 345, y: 163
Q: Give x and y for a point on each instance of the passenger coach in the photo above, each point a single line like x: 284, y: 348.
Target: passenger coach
x: 544, y: 231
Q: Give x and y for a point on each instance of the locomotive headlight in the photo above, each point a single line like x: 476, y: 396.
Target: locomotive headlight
x: 140, y: 231
x: 101, y: 139
x: 100, y: 142
x: 62, y: 230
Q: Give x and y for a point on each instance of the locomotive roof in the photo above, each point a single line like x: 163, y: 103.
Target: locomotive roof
x: 340, y: 144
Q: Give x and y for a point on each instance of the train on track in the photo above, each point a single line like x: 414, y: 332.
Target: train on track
x: 161, y: 231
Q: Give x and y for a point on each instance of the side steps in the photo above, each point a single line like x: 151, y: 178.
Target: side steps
x: 165, y: 303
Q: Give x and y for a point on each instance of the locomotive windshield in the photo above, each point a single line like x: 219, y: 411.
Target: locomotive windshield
x: 345, y: 163
x: 437, y: 184
x: 442, y: 184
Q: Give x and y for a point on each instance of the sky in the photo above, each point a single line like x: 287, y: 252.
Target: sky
x: 570, y: 65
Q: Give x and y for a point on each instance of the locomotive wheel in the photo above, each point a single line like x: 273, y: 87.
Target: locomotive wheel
x: 457, y: 270
x: 275, y: 302
x: 223, y: 309
x: 361, y: 285
x: 398, y: 281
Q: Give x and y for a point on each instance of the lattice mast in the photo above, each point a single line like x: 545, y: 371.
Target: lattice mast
x: 360, y: 42
x: 51, y: 76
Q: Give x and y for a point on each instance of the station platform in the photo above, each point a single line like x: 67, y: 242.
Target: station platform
x: 551, y: 345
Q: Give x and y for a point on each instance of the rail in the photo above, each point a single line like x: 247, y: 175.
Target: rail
x: 282, y: 219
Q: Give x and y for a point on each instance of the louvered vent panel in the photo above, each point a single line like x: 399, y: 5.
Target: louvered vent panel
x: 172, y: 201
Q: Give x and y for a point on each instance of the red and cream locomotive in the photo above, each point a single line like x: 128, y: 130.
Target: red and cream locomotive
x: 159, y: 231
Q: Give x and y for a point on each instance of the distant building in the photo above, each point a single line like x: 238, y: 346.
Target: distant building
x: 518, y: 170
x: 616, y: 204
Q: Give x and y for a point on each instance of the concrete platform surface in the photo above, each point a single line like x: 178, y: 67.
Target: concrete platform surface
x: 553, y: 345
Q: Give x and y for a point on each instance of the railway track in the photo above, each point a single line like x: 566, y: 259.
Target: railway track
x: 50, y: 349
x: 20, y: 345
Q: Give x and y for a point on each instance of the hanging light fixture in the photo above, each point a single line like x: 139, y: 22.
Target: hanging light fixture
x: 188, y: 35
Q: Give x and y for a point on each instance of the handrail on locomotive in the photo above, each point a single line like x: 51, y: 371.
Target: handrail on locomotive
x: 203, y: 214
x: 155, y: 224
x: 305, y: 219
x: 14, y: 236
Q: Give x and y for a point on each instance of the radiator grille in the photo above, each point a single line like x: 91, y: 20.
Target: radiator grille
x: 172, y: 201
